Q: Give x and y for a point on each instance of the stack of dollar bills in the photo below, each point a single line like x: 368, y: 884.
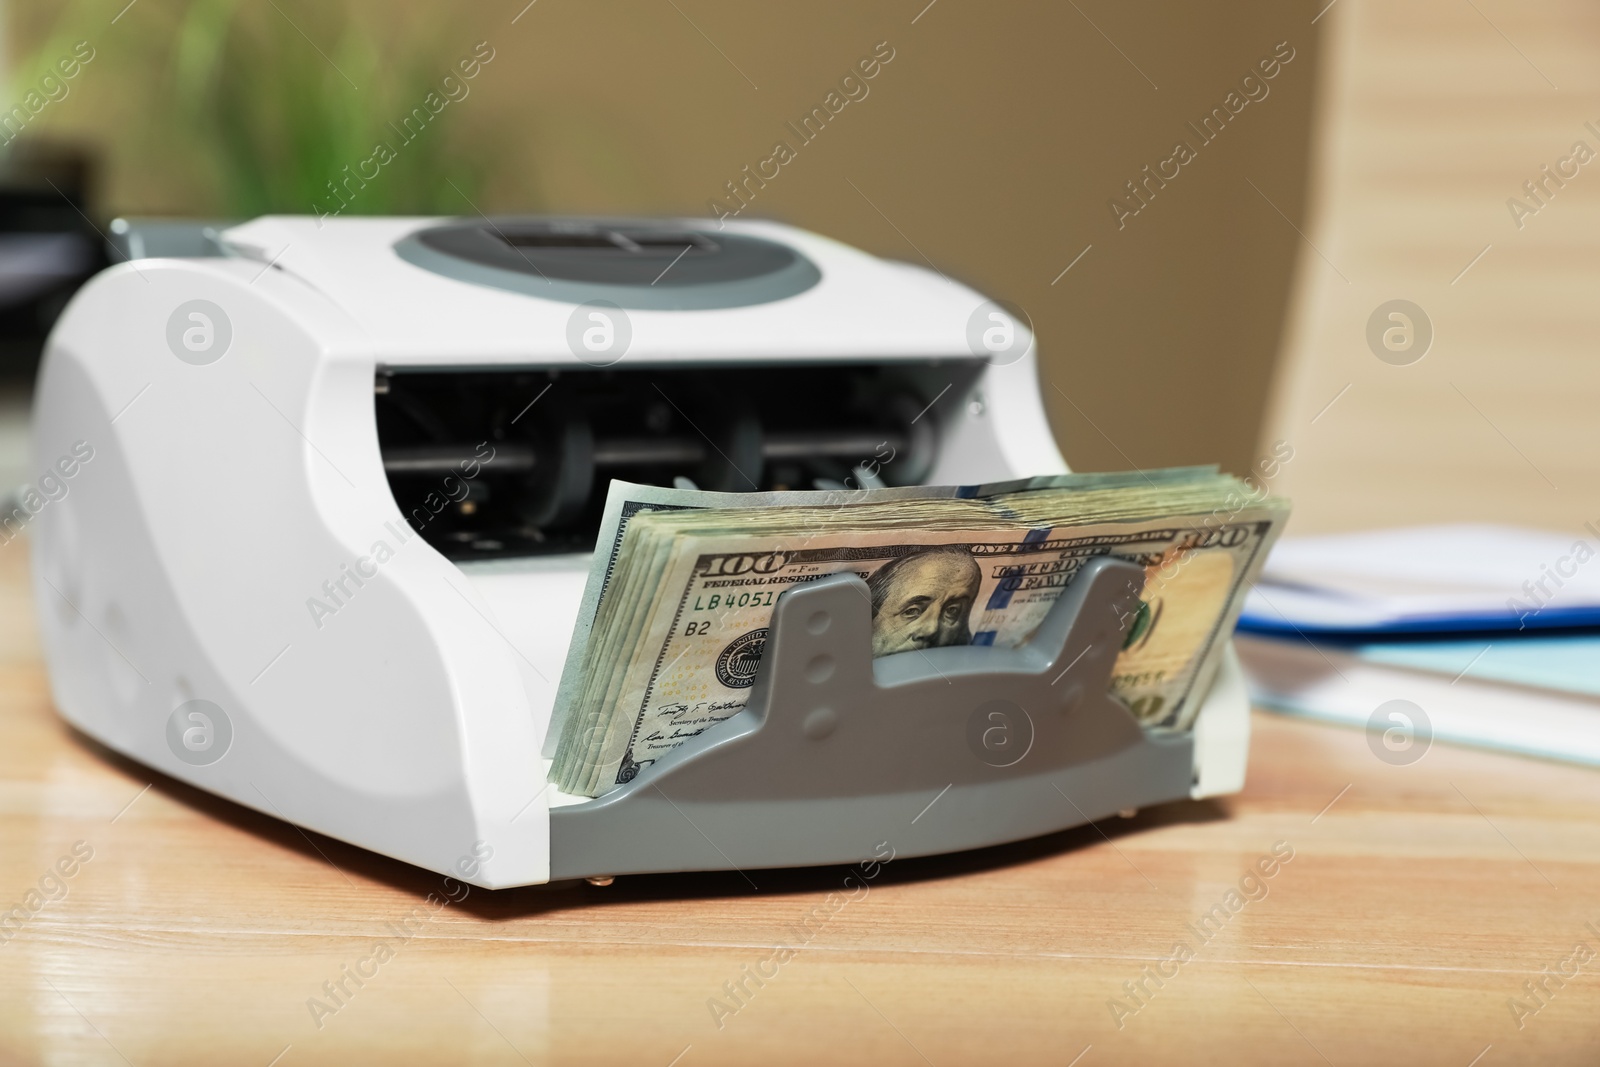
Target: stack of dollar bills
x: 675, y: 615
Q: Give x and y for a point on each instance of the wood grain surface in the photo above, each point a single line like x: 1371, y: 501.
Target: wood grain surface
x: 1417, y: 902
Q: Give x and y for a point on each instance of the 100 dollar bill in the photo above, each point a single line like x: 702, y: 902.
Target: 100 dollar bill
x: 625, y: 500
x: 701, y: 645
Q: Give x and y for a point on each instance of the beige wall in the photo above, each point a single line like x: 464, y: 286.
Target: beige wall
x: 990, y: 144
x: 1434, y: 117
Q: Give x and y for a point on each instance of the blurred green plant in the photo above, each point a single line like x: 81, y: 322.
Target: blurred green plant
x: 273, y: 100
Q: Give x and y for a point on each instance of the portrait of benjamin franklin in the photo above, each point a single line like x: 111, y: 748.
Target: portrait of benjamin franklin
x: 922, y: 600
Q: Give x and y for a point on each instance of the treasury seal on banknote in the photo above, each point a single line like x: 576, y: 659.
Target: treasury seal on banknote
x: 737, y: 665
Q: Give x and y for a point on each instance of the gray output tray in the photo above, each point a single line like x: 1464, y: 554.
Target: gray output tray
x: 933, y: 751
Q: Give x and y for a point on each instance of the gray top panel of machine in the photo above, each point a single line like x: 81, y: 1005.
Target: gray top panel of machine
x: 633, y: 264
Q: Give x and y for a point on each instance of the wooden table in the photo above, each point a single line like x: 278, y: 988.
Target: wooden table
x: 1417, y: 901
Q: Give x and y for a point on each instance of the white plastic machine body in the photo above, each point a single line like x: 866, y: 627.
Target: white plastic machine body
x: 239, y: 535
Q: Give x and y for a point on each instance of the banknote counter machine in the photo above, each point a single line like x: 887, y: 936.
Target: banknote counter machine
x: 344, y: 482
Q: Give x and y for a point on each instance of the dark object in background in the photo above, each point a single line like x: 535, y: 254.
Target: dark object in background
x: 48, y: 246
